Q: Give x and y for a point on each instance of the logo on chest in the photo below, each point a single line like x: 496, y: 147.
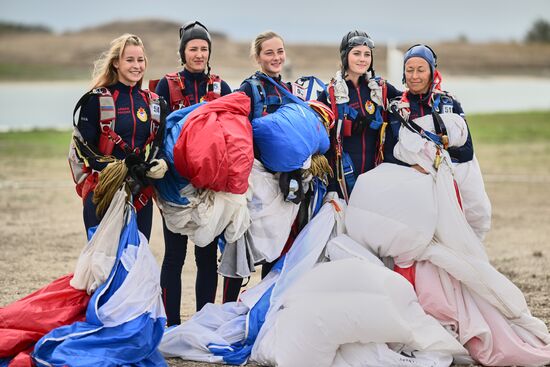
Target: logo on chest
x: 369, y: 107
x: 141, y: 114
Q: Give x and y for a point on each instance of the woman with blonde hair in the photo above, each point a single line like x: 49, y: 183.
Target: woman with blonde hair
x: 281, y: 123
x: 119, y: 121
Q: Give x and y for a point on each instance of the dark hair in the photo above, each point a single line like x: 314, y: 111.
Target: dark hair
x: 349, y: 41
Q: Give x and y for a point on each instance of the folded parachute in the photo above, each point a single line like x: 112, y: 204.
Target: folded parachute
x: 289, y: 136
x: 214, y: 149
x: 125, y: 317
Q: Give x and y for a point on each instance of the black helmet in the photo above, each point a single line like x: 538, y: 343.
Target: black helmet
x: 190, y: 31
x: 349, y: 41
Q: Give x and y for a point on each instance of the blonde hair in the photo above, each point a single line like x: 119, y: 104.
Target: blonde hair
x: 256, y: 45
x: 105, y: 73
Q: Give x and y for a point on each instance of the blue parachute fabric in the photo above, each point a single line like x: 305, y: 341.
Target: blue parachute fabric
x: 302, y: 256
x: 91, y: 232
x: 5, y: 362
x: 131, y: 341
x: 288, y: 137
x: 238, y: 353
x: 92, y: 345
x: 129, y: 236
x: 319, y: 191
x: 170, y: 185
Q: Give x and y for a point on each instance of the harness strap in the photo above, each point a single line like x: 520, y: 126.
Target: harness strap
x: 440, y: 128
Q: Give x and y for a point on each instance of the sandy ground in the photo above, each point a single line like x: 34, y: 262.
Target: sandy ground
x: 41, y: 230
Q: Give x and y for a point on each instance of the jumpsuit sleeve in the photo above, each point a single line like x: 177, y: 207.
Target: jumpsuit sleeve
x: 163, y: 91
x: 226, y: 89
x: 247, y: 89
x: 88, y: 125
x: 393, y: 92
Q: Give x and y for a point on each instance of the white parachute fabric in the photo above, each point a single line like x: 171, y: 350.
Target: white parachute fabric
x: 489, y: 337
x: 270, y: 215
x: 344, y: 302
x: 213, y: 324
x: 454, y: 246
x: 125, y: 316
x: 219, y: 327
x: 458, y: 251
x: 475, y: 202
x: 414, y: 149
x: 380, y: 355
x: 399, y: 231
x: 207, y: 215
x: 140, y: 293
x: 304, y: 254
x: 98, y: 257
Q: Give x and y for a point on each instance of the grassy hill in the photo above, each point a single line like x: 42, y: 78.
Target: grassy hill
x: 70, y: 55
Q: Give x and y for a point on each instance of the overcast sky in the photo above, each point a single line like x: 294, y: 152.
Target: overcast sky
x: 325, y: 21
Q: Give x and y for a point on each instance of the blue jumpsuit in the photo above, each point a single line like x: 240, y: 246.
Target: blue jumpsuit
x: 133, y: 125
x: 359, y: 140
x: 195, y: 87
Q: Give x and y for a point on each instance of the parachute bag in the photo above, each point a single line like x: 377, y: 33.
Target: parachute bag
x: 79, y: 150
x: 308, y: 88
x: 77, y: 163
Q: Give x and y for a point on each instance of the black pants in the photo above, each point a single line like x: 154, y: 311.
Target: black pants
x: 207, y: 275
x: 144, y: 216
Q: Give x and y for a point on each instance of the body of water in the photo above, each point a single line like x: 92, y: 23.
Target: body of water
x: 28, y: 105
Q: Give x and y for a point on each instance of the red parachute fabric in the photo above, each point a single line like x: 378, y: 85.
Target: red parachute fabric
x: 214, y: 149
x: 25, y: 321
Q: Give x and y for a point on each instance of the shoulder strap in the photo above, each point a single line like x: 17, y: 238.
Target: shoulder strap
x: 285, y: 91
x: 213, y: 88
x: 106, y: 104
x: 176, y: 87
x: 258, y: 95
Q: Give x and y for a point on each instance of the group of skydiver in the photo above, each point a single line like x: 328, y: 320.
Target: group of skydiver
x: 119, y: 120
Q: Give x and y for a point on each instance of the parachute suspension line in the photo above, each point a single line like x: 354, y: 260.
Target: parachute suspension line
x: 320, y: 167
x: 111, y: 178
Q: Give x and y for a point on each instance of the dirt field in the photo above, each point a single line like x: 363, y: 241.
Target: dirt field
x: 41, y: 228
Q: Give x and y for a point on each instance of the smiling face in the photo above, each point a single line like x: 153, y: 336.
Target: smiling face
x: 131, y: 65
x: 196, y: 55
x: 359, y: 61
x: 272, y: 56
x: 417, y: 75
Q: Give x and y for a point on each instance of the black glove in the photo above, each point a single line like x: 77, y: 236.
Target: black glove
x: 290, y: 184
x: 137, y: 169
x: 359, y: 124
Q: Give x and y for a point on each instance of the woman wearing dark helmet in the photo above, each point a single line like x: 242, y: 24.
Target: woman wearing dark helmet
x: 193, y: 84
x: 359, y: 100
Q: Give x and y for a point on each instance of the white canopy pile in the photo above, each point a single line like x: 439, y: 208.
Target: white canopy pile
x: 401, y: 213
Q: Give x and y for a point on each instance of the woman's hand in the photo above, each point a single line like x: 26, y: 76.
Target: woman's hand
x: 157, y: 170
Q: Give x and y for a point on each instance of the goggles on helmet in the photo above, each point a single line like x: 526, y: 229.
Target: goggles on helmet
x: 185, y: 27
x: 360, y: 41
